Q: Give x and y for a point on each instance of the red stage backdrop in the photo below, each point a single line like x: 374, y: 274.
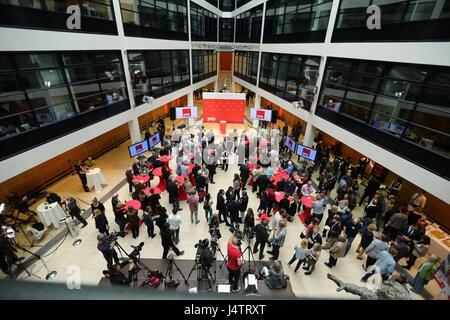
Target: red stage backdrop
x: 227, y: 107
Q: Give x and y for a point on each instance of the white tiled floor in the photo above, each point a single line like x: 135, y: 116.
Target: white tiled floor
x: 91, y: 262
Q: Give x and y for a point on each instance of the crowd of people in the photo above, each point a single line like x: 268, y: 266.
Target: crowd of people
x: 388, y: 230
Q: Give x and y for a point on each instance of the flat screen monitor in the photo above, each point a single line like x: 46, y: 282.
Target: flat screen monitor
x: 138, y: 148
x: 261, y: 114
x: 290, y: 144
x: 44, y: 117
x: 186, y: 112
x: 154, y: 140
x: 306, y: 152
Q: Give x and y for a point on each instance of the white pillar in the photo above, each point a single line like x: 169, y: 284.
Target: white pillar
x: 190, y: 99
x: 257, y: 100
x: 216, y: 85
x: 233, y: 86
x: 309, y: 135
x: 135, y: 132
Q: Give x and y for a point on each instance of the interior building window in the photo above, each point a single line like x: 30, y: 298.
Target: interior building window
x: 39, y: 88
x: 410, y: 102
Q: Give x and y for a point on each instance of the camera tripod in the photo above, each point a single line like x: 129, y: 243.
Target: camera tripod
x: 200, y: 274
x: 139, y: 265
x: 168, y: 276
x: 251, y: 256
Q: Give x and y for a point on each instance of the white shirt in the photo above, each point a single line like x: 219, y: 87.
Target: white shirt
x: 307, y: 190
x: 174, y: 221
x: 276, y: 220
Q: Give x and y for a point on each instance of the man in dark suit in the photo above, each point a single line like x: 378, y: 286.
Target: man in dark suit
x: 371, y: 189
x: 136, y: 167
x: 81, y: 171
x: 195, y: 170
x: 233, y: 210
x: 281, y: 185
x: 74, y: 210
x: 52, y: 197
x: 221, y: 207
x: 172, y: 189
x: 244, y: 173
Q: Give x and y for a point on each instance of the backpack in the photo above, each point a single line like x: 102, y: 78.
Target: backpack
x: 154, y: 280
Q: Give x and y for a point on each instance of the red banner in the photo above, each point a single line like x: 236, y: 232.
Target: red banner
x: 229, y: 110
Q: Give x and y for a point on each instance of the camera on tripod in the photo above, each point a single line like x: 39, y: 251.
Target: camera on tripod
x: 249, y: 233
x: 234, y: 229
x: 113, y: 236
x: 136, y: 251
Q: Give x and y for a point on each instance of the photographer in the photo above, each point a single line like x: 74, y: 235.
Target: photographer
x: 214, y: 230
x: 106, y: 247
x: 234, y: 264
x: 204, y: 257
x: 116, y: 277
x: 249, y: 223
x: 262, y: 233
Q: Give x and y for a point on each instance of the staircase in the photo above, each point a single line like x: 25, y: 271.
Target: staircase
x: 224, y: 78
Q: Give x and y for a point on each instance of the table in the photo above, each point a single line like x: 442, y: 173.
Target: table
x: 155, y: 189
x: 437, y: 246
x: 277, y: 177
x: 279, y: 195
x: 166, y: 160
x: 157, y: 172
x: 132, y: 203
x: 51, y: 214
x: 307, y: 202
x: 182, y: 195
x: 96, y: 179
x: 141, y: 178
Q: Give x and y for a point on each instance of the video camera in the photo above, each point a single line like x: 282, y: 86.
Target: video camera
x: 249, y: 233
x: 113, y: 236
x: 234, y: 229
x: 136, y: 251
x: 204, y: 254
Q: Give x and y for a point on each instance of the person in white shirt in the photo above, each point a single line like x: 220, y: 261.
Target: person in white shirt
x: 276, y: 220
x: 175, y: 221
x: 307, y: 189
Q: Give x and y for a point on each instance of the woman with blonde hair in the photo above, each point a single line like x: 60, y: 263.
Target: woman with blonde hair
x: 300, y: 254
x: 188, y: 186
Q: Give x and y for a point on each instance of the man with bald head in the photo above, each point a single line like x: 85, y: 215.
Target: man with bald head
x: 234, y: 263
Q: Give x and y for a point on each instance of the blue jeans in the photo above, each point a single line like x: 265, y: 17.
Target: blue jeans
x: 418, y: 283
x: 208, y: 214
x: 349, y: 244
x: 176, y: 204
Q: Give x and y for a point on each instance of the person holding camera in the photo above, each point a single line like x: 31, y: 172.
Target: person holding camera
x: 106, y: 247
x: 262, y: 233
x: 234, y: 263
x: 116, y: 277
x: 205, y: 257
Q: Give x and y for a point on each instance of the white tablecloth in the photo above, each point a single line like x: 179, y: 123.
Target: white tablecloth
x: 437, y: 247
x: 95, y: 179
x: 51, y: 215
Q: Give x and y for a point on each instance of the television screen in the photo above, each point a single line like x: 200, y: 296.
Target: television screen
x: 306, y: 152
x: 138, y: 148
x: 44, y: 117
x: 154, y: 140
x: 186, y: 112
x: 261, y: 114
x: 290, y: 144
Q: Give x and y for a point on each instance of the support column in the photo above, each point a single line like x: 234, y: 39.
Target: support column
x: 135, y: 132
x: 257, y: 100
x: 216, y: 85
x: 308, y: 140
x: 190, y: 121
